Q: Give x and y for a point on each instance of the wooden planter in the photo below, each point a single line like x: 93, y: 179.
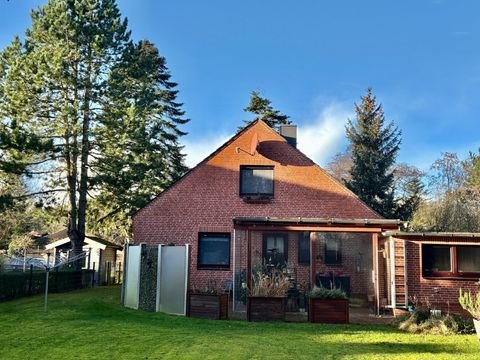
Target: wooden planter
x: 265, y: 308
x: 333, y: 311
x: 208, y: 306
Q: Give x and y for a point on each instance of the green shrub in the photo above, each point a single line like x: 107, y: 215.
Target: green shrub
x: 463, y: 325
x: 319, y: 292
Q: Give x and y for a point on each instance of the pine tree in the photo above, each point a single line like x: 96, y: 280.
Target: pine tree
x: 262, y: 107
x: 409, y: 191
x: 375, y: 145
x: 146, y: 156
x: 106, y: 106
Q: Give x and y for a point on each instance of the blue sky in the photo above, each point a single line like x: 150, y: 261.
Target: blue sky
x: 314, y: 59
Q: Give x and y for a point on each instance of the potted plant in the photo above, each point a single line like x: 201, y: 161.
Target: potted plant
x: 328, y: 305
x: 267, y: 296
x: 471, y: 303
x: 210, y: 302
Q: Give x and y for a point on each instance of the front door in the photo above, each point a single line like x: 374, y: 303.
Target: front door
x: 275, y: 249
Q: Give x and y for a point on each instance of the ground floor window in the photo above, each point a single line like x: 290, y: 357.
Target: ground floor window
x: 213, y: 251
x: 304, y: 248
x: 450, y: 260
x: 275, y: 249
x: 333, y: 253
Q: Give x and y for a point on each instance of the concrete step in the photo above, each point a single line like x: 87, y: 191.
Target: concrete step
x: 296, y: 316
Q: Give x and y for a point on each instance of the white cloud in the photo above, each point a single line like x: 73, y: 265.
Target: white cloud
x: 321, y: 138
x: 198, y: 149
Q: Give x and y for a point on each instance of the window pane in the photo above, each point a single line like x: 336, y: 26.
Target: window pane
x: 436, y: 258
x: 304, y: 248
x: 263, y: 179
x: 275, y: 250
x: 256, y: 180
x: 332, y: 251
x: 468, y: 258
x: 214, y: 250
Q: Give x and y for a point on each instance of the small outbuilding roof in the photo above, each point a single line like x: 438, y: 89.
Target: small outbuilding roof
x: 61, y: 237
x: 432, y: 234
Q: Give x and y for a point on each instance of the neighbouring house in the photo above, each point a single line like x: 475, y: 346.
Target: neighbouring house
x: 258, y: 199
x: 101, y: 255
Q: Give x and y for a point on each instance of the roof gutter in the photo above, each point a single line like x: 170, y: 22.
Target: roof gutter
x: 303, y: 220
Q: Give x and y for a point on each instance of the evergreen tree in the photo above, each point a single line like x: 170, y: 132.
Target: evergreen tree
x: 409, y: 190
x: 105, y: 105
x: 145, y: 157
x: 262, y: 107
x: 375, y: 145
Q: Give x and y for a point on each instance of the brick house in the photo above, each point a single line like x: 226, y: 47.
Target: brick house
x: 258, y: 199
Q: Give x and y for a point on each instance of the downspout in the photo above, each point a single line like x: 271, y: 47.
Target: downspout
x: 393, y: 281
x: 249, y: 261
x: 313, y: 235
x: 377, y: 285
x: 233, y: 272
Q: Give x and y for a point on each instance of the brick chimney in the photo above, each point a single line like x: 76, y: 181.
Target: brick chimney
x: 289, y: 132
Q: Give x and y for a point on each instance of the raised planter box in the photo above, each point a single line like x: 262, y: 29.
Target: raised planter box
x: 333, y: 311
x: 265, y: 308
x: 208, y: 306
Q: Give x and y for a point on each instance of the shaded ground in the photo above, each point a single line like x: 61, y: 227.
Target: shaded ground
x: 90, y: 324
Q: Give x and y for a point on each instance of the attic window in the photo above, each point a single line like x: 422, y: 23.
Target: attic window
x: 256, y: 181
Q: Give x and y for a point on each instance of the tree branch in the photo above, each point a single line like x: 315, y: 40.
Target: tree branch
x: 39, y: 193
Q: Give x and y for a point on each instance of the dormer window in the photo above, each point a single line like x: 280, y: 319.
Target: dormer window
x: 256, y: 181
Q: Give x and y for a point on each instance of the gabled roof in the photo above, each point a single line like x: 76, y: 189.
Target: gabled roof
x: 369, y: 213
x: 228, y: 142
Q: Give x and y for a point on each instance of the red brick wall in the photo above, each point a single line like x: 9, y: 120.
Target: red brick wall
x: 207, y: 198
x: 441, y: 293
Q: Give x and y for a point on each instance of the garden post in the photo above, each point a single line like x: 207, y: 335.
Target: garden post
x: 30, y: 279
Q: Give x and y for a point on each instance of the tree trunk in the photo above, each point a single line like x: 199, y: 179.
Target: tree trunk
x: 83, y: 187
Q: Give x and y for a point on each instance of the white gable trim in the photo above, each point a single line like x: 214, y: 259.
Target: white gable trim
x: 92, y: 243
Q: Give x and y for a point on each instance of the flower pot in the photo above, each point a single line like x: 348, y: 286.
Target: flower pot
x: 333, y: 311
x: 477, y: 327
x: 208, y: 306
x: 265, y: 308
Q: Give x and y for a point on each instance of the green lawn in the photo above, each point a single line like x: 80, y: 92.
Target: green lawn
x: 90, y: 324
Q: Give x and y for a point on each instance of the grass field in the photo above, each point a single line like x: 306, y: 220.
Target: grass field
x: 90, y: 324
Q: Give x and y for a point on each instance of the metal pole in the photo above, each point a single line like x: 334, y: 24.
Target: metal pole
x: 234, y: 269
x: 377, y: 285
x: 46, y: 290
x: 30, y: 280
